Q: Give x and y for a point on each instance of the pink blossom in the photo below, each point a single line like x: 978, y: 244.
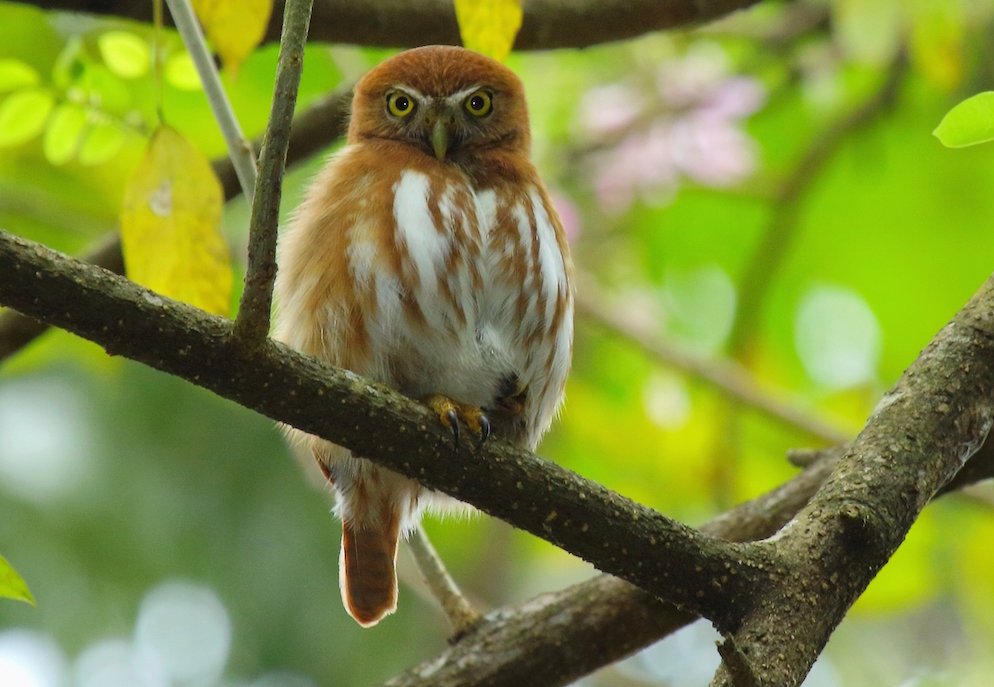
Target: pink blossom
x: 569, y: 214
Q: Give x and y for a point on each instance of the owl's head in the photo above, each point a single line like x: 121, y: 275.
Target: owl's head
x: 450, y: 103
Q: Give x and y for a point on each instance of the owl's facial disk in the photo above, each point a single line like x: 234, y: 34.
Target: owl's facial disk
x: 443, y: 124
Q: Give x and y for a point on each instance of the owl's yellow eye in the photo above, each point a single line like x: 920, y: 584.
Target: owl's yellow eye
x: 479, y: 104
x: 399, y: 103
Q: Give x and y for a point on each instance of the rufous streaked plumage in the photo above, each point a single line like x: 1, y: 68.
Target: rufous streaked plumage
x: 428, y: 256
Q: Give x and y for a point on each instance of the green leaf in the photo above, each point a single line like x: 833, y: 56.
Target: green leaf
x: 124, y: 53
x: 181, y: 73
x: 969, y: 123
x: 101, y: 143
x: 105, y: 90
x: 15, y: 75
x: 12, y: 585
x: 69, y: 65
x: 62, y: 135
x: 23, y: 115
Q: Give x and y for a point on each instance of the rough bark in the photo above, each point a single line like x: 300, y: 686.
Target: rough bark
x: 777, y: 600
x: 402, y: 23
x: 700, y: 573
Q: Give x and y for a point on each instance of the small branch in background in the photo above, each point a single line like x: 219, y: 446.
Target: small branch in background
x: 239, y: 149
x: 461, y: 614
x: 252, y: 324
x: 728, y: 378
x: 775, y: 245
x: 772, y: 251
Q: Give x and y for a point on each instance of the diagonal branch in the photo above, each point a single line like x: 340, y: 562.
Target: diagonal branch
x: 239, y: 150
x: 402, y: 23
x: 774, y: 247
x: 558, y: 637
x: 252, y: 324
x: 728, y: 377
x: 918, y: 439
x: 700, y: 573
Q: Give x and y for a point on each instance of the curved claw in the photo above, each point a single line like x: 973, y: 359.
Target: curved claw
x: 484, y: 431
x: 453, y: 423
x: 453, y: 414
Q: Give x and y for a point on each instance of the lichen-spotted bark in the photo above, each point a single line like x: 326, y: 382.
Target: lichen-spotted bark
x: 919, y: 437
x: 705, y: 575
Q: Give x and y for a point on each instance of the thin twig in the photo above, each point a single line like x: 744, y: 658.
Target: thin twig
x: 457, y: 608
x: 239, y: 148
x: 252, y: 324
x: 727, y: 377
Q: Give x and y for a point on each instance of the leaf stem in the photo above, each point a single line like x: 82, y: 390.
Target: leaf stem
x: 252, y: 325
x: 239, y: 149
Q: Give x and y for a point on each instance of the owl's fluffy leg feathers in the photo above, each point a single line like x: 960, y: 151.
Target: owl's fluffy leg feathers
x: 453, y: 414
x: 367, y: 573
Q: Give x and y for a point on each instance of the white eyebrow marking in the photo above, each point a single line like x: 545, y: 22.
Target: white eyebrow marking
x: 459, y: 96
x: 410, y: 90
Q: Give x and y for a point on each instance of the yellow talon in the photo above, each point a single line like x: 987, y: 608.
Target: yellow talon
x: 451, y: 414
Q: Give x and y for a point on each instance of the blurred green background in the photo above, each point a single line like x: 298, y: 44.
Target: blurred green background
x: 171, y: 540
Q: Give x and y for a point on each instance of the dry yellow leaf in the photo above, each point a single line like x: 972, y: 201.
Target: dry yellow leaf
x: 489, y: 26
x: 234, y: 27
x: 170, y: 225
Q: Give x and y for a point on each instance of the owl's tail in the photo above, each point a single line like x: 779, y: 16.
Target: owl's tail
x: 366, y: 570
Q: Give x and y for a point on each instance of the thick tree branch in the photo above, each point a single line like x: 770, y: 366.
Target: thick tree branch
x: 917, y: 440
x: 558, y: 637
x: 700, y: 573
x: 252, y: 325
x: 402, y: 23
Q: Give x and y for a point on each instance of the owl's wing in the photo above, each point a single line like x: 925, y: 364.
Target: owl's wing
x: 322, y: 303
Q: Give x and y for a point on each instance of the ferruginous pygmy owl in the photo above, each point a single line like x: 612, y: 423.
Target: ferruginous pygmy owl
x: 427, y: 256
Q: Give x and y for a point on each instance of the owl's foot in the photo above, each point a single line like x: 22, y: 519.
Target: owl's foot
x: 453, y: 414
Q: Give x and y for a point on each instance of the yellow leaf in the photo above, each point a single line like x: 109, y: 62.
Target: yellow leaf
x: 234, y: 27
x: 12, y: 585
x: 937, y: 43
x: 170, y: 225
x: 489, y: 26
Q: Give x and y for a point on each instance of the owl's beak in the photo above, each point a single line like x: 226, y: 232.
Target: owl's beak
x: 440, y: 138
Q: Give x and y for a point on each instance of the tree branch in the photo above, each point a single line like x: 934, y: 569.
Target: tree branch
x: 457, y: 608
x: 252, y: 324
x: 782, y: 229
x: 547, y: 24
x: 725, y: 376
x: 239, y: 149
x: 702, y: 574
x: 558, y: 637
x: 917, y: 440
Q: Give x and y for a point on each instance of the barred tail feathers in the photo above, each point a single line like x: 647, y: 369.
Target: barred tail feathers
x: 367, y: 572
